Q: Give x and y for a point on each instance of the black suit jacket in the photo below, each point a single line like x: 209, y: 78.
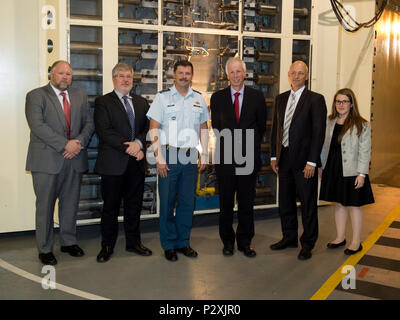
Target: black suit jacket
x: 113, y: 129
x: 253, y: 116
x: 307, y: 129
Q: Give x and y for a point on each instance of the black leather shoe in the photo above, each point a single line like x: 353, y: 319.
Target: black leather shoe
x: 228, y: 249
x: 331, y: 245
x: 349, y: 252
x: 170, y: 255
x: 73, y: 250
x: 283, y: 244
x: 48, y: 258
x: 105, y: 254
x: 248, y: 251
x: 139, y: 249
x: 304, y: 254
x: 188, y: 252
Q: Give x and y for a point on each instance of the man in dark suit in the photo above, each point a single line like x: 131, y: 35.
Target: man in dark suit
x: 297, y: 137
x: 61, y: 126
x: 121, y: 125
x: 238, y: 115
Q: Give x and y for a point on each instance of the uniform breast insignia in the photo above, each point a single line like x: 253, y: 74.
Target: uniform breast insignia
x: 197, y: 104
x: 170, y: 105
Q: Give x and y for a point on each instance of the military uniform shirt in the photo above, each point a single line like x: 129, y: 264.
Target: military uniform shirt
x: 179, y: 117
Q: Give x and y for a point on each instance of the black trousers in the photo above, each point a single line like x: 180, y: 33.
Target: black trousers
x: 128, y: 187
x: 290, y: 180
x: 244, y: 186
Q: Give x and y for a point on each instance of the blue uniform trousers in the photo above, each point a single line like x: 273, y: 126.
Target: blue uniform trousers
x: 177, y: 188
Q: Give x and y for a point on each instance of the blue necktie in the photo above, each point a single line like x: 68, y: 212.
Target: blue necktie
x: 131, y: 116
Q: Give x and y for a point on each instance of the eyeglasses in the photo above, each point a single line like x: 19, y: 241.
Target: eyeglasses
x: 120, y: 76
x: 339, y: 102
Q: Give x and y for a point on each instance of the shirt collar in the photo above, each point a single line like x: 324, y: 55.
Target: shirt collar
x: 298, y: 92
x: 241, y: 91
x: 57, y: 92
x: 120, y: 95
x: 174, y: 91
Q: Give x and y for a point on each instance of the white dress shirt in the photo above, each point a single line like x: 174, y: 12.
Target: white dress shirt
x: 59, y: 96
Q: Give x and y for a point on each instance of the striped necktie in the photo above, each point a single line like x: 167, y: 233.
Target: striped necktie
x: 131, y: 116
x: 288, y: 120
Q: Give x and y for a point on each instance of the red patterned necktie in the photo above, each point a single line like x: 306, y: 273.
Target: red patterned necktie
x: 67, y: 113
x: 237, y: 106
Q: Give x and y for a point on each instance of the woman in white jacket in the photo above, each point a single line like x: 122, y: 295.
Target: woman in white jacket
x: 345, y: 162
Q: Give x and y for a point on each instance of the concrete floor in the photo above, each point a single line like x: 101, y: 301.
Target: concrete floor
x: 271, y: 275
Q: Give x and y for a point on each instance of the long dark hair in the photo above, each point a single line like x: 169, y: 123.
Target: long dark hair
x: 354, y: 119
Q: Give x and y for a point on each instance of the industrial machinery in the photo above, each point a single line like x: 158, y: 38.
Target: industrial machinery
x: 262, y: 16
x: 222, y: 14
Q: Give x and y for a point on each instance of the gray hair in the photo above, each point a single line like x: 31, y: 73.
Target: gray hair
x: 121, y: 66
x: 235, y: 59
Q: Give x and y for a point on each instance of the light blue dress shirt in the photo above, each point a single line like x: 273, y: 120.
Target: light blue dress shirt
x: 179, y: 117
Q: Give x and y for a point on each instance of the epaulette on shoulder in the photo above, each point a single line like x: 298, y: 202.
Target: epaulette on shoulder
x: 162, y: 91
x: 197, y: 91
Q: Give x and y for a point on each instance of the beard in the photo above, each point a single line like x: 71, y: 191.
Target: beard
x: 61, y: 85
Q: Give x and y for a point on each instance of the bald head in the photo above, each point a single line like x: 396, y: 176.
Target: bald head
x: 298, y: 75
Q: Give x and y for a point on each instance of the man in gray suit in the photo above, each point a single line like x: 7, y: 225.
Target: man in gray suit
x: 61, y: 126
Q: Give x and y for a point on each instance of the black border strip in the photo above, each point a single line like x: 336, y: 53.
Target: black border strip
x: 381, y: 263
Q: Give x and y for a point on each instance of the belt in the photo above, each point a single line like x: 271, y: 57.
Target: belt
x: 168, y: 147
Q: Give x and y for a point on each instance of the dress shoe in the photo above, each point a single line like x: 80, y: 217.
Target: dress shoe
x: 283, y: 244
x: 73, y: 250
x: 349, y: 252
x: 188, y: 252
x: 304, y: 254
x: 48, y: 258
x: 105, y: 254
x: 248, y: 251
x: 228, y: 249
x: 139, y: 249
x: 331, y: 245
x: 170, y: 255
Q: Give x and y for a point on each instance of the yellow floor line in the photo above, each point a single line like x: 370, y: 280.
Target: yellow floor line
x: 330, y: 285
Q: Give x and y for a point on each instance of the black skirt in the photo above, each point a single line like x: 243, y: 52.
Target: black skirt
x: 335, y: 187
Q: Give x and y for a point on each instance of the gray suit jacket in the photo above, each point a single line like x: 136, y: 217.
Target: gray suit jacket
x: 48, y: 136
x: 356, y: 150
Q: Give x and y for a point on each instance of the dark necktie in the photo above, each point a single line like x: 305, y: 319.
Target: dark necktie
x: 237, y: 106
x: 131, y: 116
x: 67, y: 114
